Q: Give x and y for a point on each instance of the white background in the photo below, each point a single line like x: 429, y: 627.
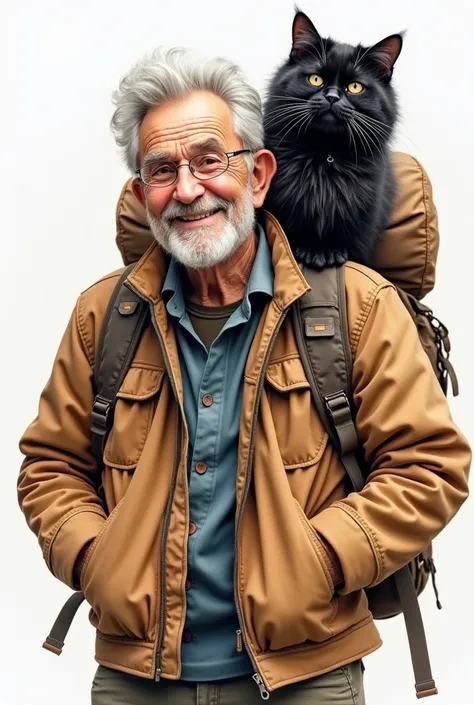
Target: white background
x: 60, y: 183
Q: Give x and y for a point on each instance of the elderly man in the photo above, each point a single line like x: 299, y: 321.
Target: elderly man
x: 221, y: 555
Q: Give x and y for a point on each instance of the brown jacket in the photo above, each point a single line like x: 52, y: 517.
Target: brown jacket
x: 290, y: 482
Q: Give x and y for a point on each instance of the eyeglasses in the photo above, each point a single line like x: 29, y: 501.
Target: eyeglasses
x: 164, y: 172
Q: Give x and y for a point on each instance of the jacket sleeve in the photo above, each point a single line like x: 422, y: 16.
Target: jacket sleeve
x: 418, y: 459
x: 56, y: 485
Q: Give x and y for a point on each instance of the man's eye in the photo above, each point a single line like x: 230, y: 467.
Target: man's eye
x: 161, y: 170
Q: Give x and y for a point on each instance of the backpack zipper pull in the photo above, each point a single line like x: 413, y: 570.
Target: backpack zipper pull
x: 264, y: 694
x: 239, y: 640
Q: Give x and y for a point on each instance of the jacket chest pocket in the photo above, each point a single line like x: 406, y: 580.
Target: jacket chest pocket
x: 300, y: 435
x: 134, y: 409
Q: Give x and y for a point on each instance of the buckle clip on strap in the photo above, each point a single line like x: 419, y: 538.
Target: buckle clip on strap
x: 100, y: 415
x: 340, y: 410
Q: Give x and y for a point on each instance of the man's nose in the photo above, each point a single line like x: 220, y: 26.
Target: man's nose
x: 187, y: 187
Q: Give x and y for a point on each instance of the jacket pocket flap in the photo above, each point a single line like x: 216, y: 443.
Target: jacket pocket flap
x: 288, y: 374
x: 134, y: 409
x: 140, y: 383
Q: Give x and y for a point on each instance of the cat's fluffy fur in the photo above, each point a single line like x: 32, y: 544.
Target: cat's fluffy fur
x: 334, y: 188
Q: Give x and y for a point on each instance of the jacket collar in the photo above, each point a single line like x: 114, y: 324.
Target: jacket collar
x: 289, y: 283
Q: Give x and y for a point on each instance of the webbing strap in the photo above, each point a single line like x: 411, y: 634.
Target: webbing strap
x: 424, y: 682
x: 57, y: 636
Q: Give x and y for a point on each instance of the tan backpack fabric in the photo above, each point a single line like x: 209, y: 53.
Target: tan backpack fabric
x: 406, y: 254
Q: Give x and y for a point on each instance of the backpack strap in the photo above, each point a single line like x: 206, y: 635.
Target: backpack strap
x: 320, y: 325
x: 321, y: 330
x: 124, y: 321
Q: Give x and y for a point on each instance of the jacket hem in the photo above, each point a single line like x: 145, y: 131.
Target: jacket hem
x: 284, y: 668
x: 279, y: 668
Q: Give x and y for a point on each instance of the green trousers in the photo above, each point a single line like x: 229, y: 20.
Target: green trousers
x: 343, y: 686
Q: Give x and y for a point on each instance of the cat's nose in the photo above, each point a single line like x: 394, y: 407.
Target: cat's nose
x: 333, y: 95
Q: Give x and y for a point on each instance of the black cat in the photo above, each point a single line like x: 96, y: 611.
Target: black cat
x: 328, y: 118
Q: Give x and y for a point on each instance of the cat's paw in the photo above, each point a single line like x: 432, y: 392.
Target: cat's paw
x: 321, y: 260
x: 341, y: 257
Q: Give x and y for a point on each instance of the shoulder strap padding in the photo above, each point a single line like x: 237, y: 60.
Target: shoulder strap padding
x: 320, y: 325
x: 122, y: 327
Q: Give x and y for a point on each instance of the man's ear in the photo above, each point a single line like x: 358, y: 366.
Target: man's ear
x: 137, y: 188
x: 264, y: 170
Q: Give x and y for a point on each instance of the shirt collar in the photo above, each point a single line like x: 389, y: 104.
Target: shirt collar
x: 260, y: 280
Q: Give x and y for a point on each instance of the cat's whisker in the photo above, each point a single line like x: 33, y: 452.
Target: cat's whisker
x: 307, y: 43
x: 284, y: 111
x: 287, y: 116
x: 325, y: 47
x: 374, y: 129
x: 352, y: 140
x: 376, y: 123
x: 292, y: 125
x: 307, y: 120
x: 384, y: 131
x: 370, y: 131
x: 292, y: 98
x: 372, y: 138
x: 281, y: 108
x: 283, y: 118
x: 365, y: 143
x: 398, y: 133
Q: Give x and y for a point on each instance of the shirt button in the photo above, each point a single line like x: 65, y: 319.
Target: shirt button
x: 192, y: 528
x: 187, y: 636
x: 207, y: 400
x: 189, y: 584
x: 201, y: 467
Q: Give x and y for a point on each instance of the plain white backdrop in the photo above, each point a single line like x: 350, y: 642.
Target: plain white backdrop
x: 61, y: 178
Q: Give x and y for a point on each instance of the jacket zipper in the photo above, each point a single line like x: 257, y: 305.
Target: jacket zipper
x: 257, y: 677
x: 174, y: 478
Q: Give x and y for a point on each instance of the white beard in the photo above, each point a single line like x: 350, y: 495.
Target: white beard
x: 201, y: 248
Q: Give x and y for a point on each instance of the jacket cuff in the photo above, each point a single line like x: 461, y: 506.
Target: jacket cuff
x: 82, y: 526
x: 354, y: 545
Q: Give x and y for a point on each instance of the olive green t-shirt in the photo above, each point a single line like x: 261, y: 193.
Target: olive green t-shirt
x: 208, y: 321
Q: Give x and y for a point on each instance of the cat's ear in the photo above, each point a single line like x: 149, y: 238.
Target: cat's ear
x: 384, y: 54
x: 304, y: 34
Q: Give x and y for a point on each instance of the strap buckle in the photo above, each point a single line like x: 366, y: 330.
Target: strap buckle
x: 100, y: 415
x: 340, y: 411
x: 338, y: 406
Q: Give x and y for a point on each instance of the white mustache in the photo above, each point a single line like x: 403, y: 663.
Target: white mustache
x: 187, y: 210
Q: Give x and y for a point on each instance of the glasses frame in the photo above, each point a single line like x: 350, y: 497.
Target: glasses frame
x: 229, y: 155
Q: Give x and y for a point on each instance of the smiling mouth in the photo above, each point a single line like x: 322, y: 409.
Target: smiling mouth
x: 194, y: 218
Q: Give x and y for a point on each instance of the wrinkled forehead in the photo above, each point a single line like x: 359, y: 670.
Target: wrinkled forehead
x: 178, y: 128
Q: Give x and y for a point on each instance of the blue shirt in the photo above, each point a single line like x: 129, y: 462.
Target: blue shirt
x: 209, y: 649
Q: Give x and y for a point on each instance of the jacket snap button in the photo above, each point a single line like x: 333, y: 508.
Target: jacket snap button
x: 201, y: 467
x: 187, y: 636
x: 192, y: 528
x: 188, y: 585
x: 207, y: 400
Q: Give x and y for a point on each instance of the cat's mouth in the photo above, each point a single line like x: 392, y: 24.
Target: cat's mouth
x: 330, y: 119
x: 330, y: 115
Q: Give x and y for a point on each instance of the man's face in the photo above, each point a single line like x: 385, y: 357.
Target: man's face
x: 200, y: 223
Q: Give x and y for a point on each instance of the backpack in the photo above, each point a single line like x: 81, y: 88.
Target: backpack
x: 320, y: 324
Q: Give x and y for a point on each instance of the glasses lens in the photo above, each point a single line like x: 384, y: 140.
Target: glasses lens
x: 159, y: 173
x: 208, y: 166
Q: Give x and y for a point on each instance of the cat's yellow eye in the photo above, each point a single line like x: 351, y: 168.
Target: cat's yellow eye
x: 316, y: 80
x: 355, y: 87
